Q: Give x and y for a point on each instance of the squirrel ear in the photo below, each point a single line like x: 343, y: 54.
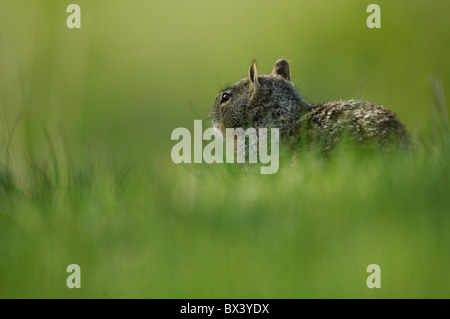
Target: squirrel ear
x: 281, y: 67
x: 253, y: 73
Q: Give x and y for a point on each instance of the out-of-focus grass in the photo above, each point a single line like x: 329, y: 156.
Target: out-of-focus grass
x: 86, y: 175
x: 209, y: 231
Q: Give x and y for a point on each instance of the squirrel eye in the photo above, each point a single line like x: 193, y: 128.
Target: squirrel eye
x: 225, y: 97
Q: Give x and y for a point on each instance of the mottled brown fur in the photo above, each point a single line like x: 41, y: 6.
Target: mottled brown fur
x: 364, y: 122
x: 272, y: 100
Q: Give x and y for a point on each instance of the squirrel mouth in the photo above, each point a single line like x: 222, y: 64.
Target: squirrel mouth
x: 218, y: 126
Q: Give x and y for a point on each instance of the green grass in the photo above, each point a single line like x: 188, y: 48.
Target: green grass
x: 86, y: 176
x: 224, y: 231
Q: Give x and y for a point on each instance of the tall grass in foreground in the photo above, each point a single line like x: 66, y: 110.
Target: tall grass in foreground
x: 213, y: 231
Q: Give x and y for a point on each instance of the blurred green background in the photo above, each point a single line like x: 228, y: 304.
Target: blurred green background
x: 85, y: 120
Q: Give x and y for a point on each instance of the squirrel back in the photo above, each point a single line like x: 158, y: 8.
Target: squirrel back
x: 272, y: 100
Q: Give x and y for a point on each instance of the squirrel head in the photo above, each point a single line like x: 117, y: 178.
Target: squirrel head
x: 266, y: 100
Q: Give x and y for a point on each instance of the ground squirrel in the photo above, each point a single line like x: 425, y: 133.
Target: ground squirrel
x: 272, y: 100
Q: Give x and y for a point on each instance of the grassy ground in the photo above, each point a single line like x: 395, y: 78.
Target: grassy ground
x: 212, y: 231
x: 86, y: 176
